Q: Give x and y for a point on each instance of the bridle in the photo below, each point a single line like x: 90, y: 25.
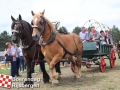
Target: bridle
x: 21, y: 35
x: 43, y: 23
x: 19, y: 32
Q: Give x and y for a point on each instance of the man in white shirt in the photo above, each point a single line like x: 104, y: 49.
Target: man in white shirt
x: 84, y: 34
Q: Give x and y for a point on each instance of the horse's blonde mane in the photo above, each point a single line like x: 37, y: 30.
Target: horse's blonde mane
x: 50, y: 24
x: 52, y: 27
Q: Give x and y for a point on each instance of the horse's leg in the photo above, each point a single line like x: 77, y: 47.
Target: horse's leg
x: 57, y: 67
x: 32, y: 67
x: 45, y: 74
x: 74, y: 65
x: 78, y: 74
x: 28, y: 73
x: 54, y: 75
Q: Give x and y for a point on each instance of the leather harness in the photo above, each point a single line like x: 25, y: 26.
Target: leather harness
x: 52, y: 38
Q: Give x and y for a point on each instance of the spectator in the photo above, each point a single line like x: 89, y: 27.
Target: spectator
x: 11, y: 51
x: 21, y: 60
x: 6, y: 63
x: 103, y: 38
x: 94, y: 35
x: 17, y: 59
x: 84, y: 34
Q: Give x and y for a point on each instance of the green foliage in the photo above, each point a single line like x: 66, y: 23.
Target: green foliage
x: 77, y: 30
x: 89, y: 29
x: 115, y: 34
x: 4, y: 37
x: 63, y: 30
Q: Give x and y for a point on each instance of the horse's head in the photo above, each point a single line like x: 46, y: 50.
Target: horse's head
x: 17, y: 29
x: 41, y: 25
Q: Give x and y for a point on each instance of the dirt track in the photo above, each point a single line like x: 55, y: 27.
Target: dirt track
x: 91, y: 79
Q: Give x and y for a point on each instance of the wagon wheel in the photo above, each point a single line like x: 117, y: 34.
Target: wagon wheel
x: 112, y: 58
x: 88, y: 65
x: 102, y: 64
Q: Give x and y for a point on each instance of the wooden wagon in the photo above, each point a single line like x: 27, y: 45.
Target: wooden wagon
x: 93, y: 56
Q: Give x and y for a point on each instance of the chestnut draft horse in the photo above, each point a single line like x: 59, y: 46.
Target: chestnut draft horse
x: 22, y: 31
x: 55, y: 46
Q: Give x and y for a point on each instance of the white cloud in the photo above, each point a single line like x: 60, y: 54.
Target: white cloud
x: 70, y: 13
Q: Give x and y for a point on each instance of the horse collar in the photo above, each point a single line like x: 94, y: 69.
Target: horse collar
x: 51, y: 39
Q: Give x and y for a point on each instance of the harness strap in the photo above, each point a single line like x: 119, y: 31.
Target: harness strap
x: 51, y: 39
x: 74, y: 42
x: 66, y: 51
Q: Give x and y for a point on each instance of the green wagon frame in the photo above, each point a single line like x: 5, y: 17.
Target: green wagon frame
x: 90, y: 55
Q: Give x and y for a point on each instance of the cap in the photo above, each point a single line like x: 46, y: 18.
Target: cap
x: 82, y: 27
x: 7, y: 43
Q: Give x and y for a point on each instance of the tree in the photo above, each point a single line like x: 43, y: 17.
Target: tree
x: 63, y: 30
x: 77, y: 30
x: 4, y: 37
x: 115, y: 34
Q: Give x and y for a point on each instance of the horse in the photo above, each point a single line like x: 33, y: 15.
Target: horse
x: 118, y: 49
x: 55, y: 46
x: 22, y: 32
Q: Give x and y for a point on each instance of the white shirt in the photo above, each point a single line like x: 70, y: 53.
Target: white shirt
x: 20, y: 54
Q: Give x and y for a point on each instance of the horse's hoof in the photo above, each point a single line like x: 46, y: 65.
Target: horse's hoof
x: 59, y: 77
x: 28, y: 82
x: 74, y: 77
x: 54, y: 84
x: 79, y: 80
x: 46, y: 81
x: 60, y: 73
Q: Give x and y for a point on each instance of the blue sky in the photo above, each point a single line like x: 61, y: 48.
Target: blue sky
x: 70, y: 13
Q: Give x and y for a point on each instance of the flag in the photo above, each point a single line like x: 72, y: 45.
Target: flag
x: 5, y: 81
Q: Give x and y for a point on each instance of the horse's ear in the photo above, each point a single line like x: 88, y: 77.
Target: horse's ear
x: 12, y: 18
x: 32, y: 13
x: 43, y: 12
x: 20, y: 18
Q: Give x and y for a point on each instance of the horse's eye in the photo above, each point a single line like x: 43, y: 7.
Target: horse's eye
x: 41, y: 21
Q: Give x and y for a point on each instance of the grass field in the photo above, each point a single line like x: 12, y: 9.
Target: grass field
x: 91, y: 79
